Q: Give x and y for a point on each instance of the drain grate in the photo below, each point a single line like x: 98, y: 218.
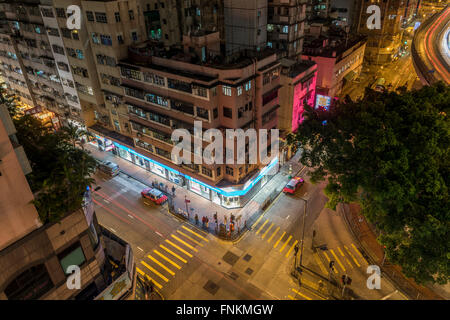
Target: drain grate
x: 249, y: 271
x: 247, y: 257
x: 230, y: 258
x: 211, y: 287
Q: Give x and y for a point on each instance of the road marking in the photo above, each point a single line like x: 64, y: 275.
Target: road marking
x: 145, y: 275
x: 161, y: 265
x: 319, y: 262
x: 284, y: 245
x: 342, y: 254
x: 288, y: 217
x: 291, y: 297
x: 292, y: 247
x: 173, y: 253
x: 337, y: 259
x: 175, y: 246
x: 257, y: 221
x: 193, y: 240
x: 131, y: 216
x: 353, y: 257
x: 301, y: 294
x: 167, y: 259
x: 194, y: 233
x: 106, y: 201
x: 113, y: 230
x: 159, y: 234
x: 140, y: 248
x: 273, y: 234
x: 265, y: 233
x: 183, y: 242
x: 276, y: 244
x: 359, y: 253
x: 262, y: 226
x: 155, y: 271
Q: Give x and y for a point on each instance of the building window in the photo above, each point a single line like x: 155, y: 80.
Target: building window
x: 53, y: 32
x: 130, y: 74
x: 179, y: 85
x: 82, y: 72
x: 215, y: 113
x: 239, y: 90
x: 229, y: 171
x: 47, y: 13
x: 90, y: 15
x: 134, y: 36
x: 202, y: 113
x: 106, y: 40
x: 73, y: 255
x: 269, y: 44
x: 117, y: 16
x: 60, y: 12
x: 116, y: 125
x: 226, y: 90
x: 207, y: 172
x: 131, y: 14
x: 227, y: 112
x: 120, y: 39
x: 248, y: 85
x: 285, y: 29
x: 80, y: 54
x: 95, y: 38
x: 199, y: 91
x: 107, y: 79
x: 30, y: 284
x: 101, y: 17
x: 63, y: 66
x: 66, y: 33
x: 75, y: 35
x: 166, y: 36
x: 218, y: 172
x: 58, y: 49
x: 106, y: 60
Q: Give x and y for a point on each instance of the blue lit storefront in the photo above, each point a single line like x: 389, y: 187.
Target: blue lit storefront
x: 228, y: 197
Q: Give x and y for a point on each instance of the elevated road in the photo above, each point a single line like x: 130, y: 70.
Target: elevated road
x: 430, y: 49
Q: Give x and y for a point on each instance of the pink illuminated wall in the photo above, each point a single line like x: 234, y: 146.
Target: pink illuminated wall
x: 300, y: 93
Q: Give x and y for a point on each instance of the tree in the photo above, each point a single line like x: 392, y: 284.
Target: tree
x: 75, y: 135
x: 390, y: 153
x: 61, y: 171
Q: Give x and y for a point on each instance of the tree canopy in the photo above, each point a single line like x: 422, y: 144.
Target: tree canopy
x: 61, y: 171
x: 390, y: 153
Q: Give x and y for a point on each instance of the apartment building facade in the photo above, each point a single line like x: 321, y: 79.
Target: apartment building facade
x: 285, y: 27
x: 385, y: 43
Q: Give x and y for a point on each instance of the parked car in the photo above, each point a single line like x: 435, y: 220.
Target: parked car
x: 154, y: 195
x: 293, y: 185
x: 109, y: 168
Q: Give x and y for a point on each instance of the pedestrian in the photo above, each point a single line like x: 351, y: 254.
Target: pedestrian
x: 231, y: 227
x: 207, y: 222
x: 203, y: 221
x: 166, y: 189
x: 196, y: 219
x: 173, y: 191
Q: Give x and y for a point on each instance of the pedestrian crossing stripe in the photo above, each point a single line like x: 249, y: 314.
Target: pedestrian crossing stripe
x: 167, y: 259
x: 262, y: 226
x: 183, y: 242
x: 161, y: 265
x: 190, y: 238
x: 268, y: 229
x: 276, y: 244
x: 342, y: 254
x: 292, y: 247
x: 353, y: 257
x: 177, y: 247
x: 284, y: 245
x: 145, y: 275
x: 359, y: 253
x: 155, y: 271
x: 173, y: 253
x: 337, y: 260
x: 273, y: 234
x: 194, y: 233
x: 291, y: 297
x: 301, y: 294
x: 257, y: 221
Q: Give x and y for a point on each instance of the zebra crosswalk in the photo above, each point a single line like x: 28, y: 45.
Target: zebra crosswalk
x: 161, y: 265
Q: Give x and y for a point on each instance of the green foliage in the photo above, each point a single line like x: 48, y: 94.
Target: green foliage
x: 61, y: 171
x: 390, y: 153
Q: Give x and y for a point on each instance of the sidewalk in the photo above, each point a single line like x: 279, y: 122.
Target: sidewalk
x: 362, y: 231
x: 201, y: 206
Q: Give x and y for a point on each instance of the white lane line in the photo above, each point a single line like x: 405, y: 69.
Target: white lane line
x: 140, y: 249
x: 106, y: 200
x: 113, y: 230
x: 159, y: 234
x: 131, y: 216
x: 288, y: 217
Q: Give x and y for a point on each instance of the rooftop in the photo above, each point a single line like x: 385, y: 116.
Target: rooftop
x: 330, y: 45
x: 293, y: 68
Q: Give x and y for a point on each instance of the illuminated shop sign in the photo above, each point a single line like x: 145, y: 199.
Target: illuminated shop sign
x: 323, y: 102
